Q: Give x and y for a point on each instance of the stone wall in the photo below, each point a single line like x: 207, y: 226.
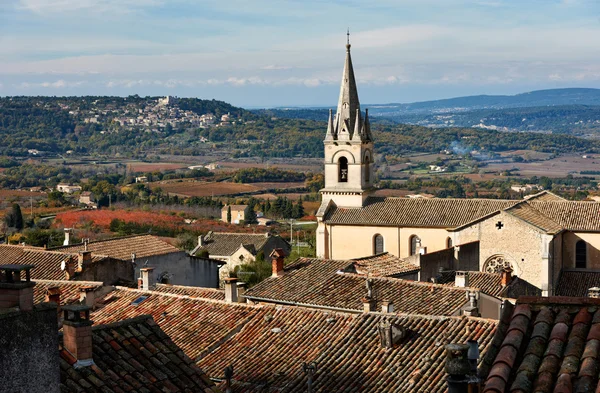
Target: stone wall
x: 181, y: 269
x: 109, y: 271
x: 29, y: 359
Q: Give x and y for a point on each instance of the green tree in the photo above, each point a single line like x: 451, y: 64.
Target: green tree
x: 14, y: 218
x: 229, y: 214
x: 251, y: 216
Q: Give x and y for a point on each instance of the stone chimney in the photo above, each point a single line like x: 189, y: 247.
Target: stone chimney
x: 369, y: 304
x: 390, y: 334
x: 461, y: 279
x: 278, y: 256
x: 594, y: 292
x: 15, y: 292
x: 53, y: 295
x: 87, y: 296
x: 147, y: 278
x: 200, y: 241
x: 241, y: 290
x: 67, y: 241
x: 457, y: 368
x: 387, y: 307
x: 83, y: 259
x: 77, y: 334
x: 472, y: 310
x: 506, y: 276
x: 231, y: 290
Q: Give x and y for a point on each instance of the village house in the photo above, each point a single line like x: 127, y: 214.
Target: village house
x: 69, y: 189
x: 238, y: 213
x: 238, y: 248
x: 171, y: 265
x: 87, y: 198
x: 536, y: 237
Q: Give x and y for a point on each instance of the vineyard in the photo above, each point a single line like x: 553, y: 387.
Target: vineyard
x: 207, y: 189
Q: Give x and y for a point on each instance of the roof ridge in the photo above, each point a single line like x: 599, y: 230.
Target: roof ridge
x: 189, y: 286
x: 123, y: 322
x: 409, y: 282
x: 72, y: 282
x: 174, y: 295
x: 107, y: 240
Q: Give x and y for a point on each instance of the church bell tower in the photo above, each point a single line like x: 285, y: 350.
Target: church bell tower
x: 348, y: 147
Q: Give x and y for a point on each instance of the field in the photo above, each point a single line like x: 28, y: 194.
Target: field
x: 206, y: 189
x: 556, y: 167
x: 154, y: 166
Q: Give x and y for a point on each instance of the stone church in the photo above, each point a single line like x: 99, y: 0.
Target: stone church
x: 539, y: 238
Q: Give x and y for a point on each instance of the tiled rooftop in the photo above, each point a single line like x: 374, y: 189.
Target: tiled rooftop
x: 318, y: 283
x: 194, y: 324
x: 527, y: 213
x: 491, y: 283
x: 545, y: 345
x: 199, y: 292
x: 225, y: 243
x: 577, y: 282
x: 69, y: 290
x: 133, y: 355
x: 143, y: 246
x: 382, y: 265
x: 444, y: 213
x: 267, y: 344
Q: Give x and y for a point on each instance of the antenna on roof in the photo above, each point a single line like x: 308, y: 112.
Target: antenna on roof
x: 348, y: 36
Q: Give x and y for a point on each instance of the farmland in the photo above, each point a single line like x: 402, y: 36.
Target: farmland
x: 206, y: 189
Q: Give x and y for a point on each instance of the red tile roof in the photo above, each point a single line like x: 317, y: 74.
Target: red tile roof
x: 545, y: 345
x: 383, y: 265
x: 194, y: 324
x: 143, y: 246
x: 69, y: 290
x: 313, y: 282
x: 133, y: 355
x: 577, y: 282
x: 199, y: 292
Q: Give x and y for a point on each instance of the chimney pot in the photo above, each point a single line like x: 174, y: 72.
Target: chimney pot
x: 148, y: 281
x: 77, y: 334
x: 594, y: 292
x: 506, y: 276
x: 457, y: 367
x: 387, y: 307
x: 15, y: 292
x: 241, y: 290
x: 461, y: 279
x: 472, y: 310
x: 473, y: 355
x: 87, y: 296
x: 84, y: 259
x: 67, y: 240
x: 278, y: 256
x: 200, y: 241
x: 369, y: 304
x: 231, y: 293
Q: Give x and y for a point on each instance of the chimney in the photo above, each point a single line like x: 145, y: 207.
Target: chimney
x: 200, y: 241
x: 506, y: 276
x: 53, y: 295
x: 458, y: 368
x: 231, y: 294
x: 369, y: 304
x: 228, y: 377
x: 67, y: 237
x: 87, y: 296
x: 472, y: 310
x: 13, y: 291
x: 77, y: 334
x: 390, y: 334
x: 473, y: 355
x: 387, y: 307
x: 241, y: 290
x: 461, y: 279
x: 278, y: 255
x: 147, y: 278
x: 594, y: 292
x: 84, y: 259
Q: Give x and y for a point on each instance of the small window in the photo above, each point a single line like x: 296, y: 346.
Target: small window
x: 581, y: 255
x: 343, y: 170
x: 449, y: 242
x: 415, y: 243
x: 378, y: 245
x: 137, y: 301
x: 367, y: 169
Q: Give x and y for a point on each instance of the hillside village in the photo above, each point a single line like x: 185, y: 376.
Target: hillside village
x: 419, y: 294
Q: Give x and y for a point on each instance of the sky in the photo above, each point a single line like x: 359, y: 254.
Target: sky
x: 265, y: 53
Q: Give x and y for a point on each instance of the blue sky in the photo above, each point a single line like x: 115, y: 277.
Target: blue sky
x: 257, y: 53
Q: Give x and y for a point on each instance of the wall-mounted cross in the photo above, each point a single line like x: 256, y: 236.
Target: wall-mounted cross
x: 499, y: 225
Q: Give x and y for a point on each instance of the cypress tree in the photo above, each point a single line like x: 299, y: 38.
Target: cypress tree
x: 229, y: 214
x: 17, y: 216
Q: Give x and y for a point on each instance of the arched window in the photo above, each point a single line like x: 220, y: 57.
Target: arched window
x: 580, y: 255
x: 343, y: 170
x: 378, y: 246
x: 414, y: 242
x: 367, y: 169
x: 449, y: 242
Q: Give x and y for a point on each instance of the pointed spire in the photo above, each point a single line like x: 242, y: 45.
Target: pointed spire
x: 348, y: 103
x: 366, y: 129
x: 357, y: 126
x: 330, y: 133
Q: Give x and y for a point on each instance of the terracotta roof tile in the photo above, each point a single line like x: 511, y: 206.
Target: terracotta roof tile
x: 527, y: 213
x: 199, y: 292
x: 577, y: 282
x: 69, y: 290
x: 143, y: 246
x: 571, y: 215
x: 382, y: 265
x: 225, y: 243
x: 318, y: 283
x: 122, y: 362
x: 559, y: 352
